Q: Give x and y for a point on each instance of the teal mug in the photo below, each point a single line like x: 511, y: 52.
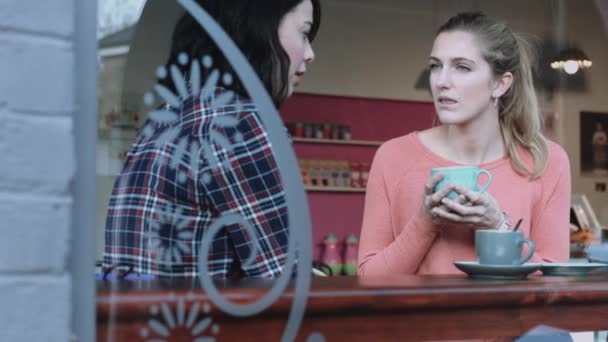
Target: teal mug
x: 501, y: 248
x: 466, y: 176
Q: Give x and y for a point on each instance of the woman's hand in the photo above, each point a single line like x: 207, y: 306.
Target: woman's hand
x: 479, y: 210
x: 432, y: 203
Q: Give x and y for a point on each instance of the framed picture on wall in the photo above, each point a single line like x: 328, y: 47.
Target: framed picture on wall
x: 594, y: 143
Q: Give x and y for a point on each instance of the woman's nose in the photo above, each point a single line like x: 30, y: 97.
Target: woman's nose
x: 443, y: 79
x: 309, y: 55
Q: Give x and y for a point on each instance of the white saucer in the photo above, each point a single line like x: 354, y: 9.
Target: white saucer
x: 475, y: 270
x: 573, y: 269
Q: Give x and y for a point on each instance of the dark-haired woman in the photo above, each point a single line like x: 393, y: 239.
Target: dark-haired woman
x: 161, y: 208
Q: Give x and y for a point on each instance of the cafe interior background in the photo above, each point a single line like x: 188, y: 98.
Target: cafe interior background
x: 369, y: 82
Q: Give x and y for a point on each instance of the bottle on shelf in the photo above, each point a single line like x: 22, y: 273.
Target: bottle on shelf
x: 308, y: 130
x: 305, y: 171
x: 345, y: 132
x: 315, y: 173
x: 334, y: 173
x: 335, y: 132
x: 318, y: 131
x: 326, y: 131
x: 331, y: 255
x: 298, y: 130
x: 344, y: 174
x: 326, y: 173
x: 351, y: 249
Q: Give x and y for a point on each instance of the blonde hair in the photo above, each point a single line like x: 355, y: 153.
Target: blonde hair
x: 521, y: 121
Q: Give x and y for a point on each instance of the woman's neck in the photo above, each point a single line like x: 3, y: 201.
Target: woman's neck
x: 474, y: 143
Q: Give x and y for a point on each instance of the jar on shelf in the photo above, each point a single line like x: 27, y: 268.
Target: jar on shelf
x: 315, y: 173
x: 351, y: 249
x: 331, y: 254
x: 318, y: 131
x: 335, y: 132
x: 344, y: 174
x: 345, y: 132
x: 326, y: 131
x: 305, y: 171
x: 326, y: 173
x: 308, y: 130
x: 298, y: 130
x: 335, y: 173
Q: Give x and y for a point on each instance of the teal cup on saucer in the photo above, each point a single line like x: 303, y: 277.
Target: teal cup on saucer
x: 467, y: 176
x: 501, y: 248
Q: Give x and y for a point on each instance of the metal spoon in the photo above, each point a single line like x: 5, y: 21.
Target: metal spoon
x: 517, y: 225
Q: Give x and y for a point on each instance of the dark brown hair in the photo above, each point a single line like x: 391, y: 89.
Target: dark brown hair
x: 253, y: 25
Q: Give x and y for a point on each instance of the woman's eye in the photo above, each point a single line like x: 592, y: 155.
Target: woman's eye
x: 463, y: 68
x: 433, y: 66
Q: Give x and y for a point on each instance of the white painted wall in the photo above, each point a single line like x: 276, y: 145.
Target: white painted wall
x: 37, y: 149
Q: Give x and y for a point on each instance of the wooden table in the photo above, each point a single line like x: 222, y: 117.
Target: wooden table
x: 408, y: 308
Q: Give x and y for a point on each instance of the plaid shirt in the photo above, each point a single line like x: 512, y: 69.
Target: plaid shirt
x: 161, y: 205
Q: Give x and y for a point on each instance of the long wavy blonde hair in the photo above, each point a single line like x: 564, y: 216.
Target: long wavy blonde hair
x: 521, y: 121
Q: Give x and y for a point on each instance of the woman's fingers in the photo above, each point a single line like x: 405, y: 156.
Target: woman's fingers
x: 429, y: 187
x: 472, y: 196
x: 443, y: 213
x: 436, y: 215
x: 460, y: 208
x: 477, y: 209
x: 441, y: 194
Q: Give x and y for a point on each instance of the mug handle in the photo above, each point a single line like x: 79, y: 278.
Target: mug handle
x: 530, y: 252
x: 488, y: 182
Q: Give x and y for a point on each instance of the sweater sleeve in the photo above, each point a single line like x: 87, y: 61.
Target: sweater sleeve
x: 550, y: 229
x: 380, y: 252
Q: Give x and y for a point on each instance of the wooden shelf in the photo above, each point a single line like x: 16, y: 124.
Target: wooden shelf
x: 337, y: 142
x: 332, y: 189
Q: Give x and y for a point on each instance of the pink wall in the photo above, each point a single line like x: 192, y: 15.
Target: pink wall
x: 369, y: 119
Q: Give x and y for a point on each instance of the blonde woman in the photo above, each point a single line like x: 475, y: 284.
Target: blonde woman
x: 481, y: 84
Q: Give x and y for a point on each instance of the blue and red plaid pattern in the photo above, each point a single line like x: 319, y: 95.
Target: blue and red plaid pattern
x: 171, y: 190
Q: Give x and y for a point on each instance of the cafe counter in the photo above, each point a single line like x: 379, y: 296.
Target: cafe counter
x: 401, y: 308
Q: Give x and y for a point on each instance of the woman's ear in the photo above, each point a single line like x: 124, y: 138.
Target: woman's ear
x: 502, y: 84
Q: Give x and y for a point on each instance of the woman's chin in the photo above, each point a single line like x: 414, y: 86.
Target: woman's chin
x: 451, y: 119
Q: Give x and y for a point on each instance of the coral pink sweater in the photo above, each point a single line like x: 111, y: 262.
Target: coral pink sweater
x: 396, y: 238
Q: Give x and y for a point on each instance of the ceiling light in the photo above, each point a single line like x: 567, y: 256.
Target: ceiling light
x: 571, y: 60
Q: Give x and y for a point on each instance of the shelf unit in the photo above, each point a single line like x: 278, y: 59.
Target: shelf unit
x: 372, y: 121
